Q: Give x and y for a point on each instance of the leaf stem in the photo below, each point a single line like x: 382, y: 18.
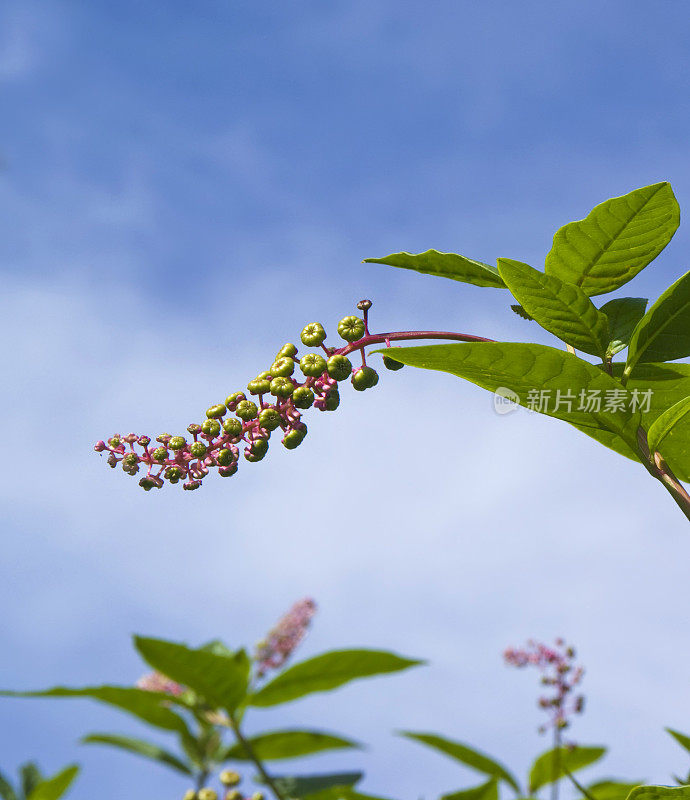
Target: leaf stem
x: 659, y: 469
x: 397, y: 336
x: 252, y: 756
x: 577, y: 783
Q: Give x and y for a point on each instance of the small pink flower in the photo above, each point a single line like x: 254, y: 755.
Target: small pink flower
x: 283, y: 639
x: 157, y: 682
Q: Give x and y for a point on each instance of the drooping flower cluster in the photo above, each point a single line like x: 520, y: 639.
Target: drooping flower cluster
x: 229, y: 781
x: 280, y: 397
x: 281, y: 641
x: 559, y: 672
x: 157, y: 682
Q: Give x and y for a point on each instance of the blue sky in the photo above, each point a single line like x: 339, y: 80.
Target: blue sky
x: 182, y: 189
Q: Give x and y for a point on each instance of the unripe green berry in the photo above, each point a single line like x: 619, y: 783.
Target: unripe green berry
x: 232, y: 427
x: 177, y: 443
x: 257, y: 796
x: 216, y: 412
x: 246, y: 410
x: 114, y: 441
x: 159, y: 454
x: 294, y: 438
x: 198, y: 449
x: 207, y: 794
x: 211, y: 427
x: 173, y: 474
x: 332, y: 400
x: 226, y: 472
x: 351, y: 328
x: 191, y: 486
x: 259, y: 386
x: 392, y: 365
x: 280, y: 387
x: 228, y: 777
x: 269, y: 419
x: 194, y: 428
x: 303, y: 397
x: 339, y: 367
x: 224, y: 457
x: 234, y: 794
x: 130, y: 460
x: 313, y: 334
x: 257, y: 451
x: 147, y: 484
x: 282, y: 368
x: 364, y: 378
x: 286, y: 351
x: 312, y: 365
x: 233, y: 399
x: 190, y: 794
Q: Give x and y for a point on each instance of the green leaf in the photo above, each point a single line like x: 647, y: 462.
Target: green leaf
x: 529, y: 368
x: 465, y: 755
x: 486, y: 791
x: 668, y: 421
x: 552, y: 765
x: 139, y: 747
x: 611, y: 790
x: 221, y: 679
x: 624, y: 313
x: 289, y: 744
x: 444, y: 265
x: 520, y: 311
x: 30, y: 776
x: 300, y: 786
x: 663, y: 334
x: 147, y: 706
x: 560, y: 308
x: 616, y: 240
x: 660, y: 793
x: 55, y: 787
x: 6, y: 789
x: 681, y: 738
x: 326, y: 672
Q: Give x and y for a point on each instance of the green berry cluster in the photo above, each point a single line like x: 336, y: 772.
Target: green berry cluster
x: 272, y: 404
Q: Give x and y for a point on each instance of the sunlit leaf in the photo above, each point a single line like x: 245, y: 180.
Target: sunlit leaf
x: 560, y: 308
x: 326, y: 672
x: 660, y: 793
x: 300, y: 786
x: 616, y: 240
x: 623, y: 313
x: 487, y: 791
x: 444, y: 265
x: 55, y: 787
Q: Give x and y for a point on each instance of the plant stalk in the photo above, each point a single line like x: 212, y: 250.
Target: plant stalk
x: 659, y: 469
x: 251, y: 755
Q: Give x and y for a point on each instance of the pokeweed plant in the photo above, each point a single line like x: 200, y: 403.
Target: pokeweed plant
x: 561, y: 677
x: 638, y: 407
x: 202, y: 696
x: 32, y: 784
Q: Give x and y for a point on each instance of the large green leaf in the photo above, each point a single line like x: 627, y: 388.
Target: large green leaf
x: 561, y: 308
x: 221, y: 679
x: 660, y: 793
x: 616, y: 240
x: 289, y: 744
x: 6, y: 789
x: 673, y: 418
x: 326, y: 672
x: 527, y: 369
x: 487, y: 791
x: 611, y: 790
x: 663, y: 334
x: 300, y: 786
x: 444, y: 265
x: 147, y: 706
x: 55, y: 787
x: 624, y: 313
x: 552, y: 765
x: 139, y: 747
x: 465, y: 755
